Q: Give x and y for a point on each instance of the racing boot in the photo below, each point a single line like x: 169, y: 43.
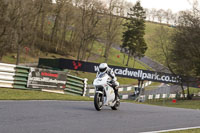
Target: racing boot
x: 117, y: 98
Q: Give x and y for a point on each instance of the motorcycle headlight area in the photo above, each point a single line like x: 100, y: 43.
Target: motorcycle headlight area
x: 99, y: 88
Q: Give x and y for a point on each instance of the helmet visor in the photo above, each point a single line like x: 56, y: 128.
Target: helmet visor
x: 102, y: 69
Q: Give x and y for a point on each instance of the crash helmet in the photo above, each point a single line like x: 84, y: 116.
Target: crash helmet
x: 103, y: 67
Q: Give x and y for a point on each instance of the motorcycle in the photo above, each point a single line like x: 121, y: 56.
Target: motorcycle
x: 104, y: 94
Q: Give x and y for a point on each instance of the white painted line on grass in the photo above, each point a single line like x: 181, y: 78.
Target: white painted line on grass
x: 169, y: 130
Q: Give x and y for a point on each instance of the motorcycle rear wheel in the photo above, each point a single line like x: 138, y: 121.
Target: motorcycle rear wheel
x: 116, y: 106
x: 98, y: 101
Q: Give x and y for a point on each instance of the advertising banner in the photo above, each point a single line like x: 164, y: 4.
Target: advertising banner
x: 46, y: 79
x: 119, y: 71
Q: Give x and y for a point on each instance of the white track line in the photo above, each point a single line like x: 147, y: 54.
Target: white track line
x: 178, y: 129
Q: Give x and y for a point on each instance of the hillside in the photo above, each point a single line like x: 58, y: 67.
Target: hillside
x: 115, y: 58
x: 98, y: 49
x: 155, y: 35
x: 65, y: 30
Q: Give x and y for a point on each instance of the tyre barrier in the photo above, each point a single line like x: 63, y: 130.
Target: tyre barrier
x: 15, y: 76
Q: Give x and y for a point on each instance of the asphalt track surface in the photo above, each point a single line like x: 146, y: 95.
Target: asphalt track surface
x: 81, y: 117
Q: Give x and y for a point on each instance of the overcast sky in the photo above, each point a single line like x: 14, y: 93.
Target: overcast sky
x: 174, y: 5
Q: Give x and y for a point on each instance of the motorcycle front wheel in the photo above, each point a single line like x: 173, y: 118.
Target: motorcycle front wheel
x: 98, y: 101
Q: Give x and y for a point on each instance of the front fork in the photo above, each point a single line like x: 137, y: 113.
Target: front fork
x: 102, y: 95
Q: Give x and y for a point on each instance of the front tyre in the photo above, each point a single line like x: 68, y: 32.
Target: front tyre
x: 98, y: 101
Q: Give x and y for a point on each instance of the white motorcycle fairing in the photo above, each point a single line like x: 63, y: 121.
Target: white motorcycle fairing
x: 102, y: 86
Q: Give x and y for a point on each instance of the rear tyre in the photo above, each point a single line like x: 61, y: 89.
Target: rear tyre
x: 98, y: 101
x: 116, y: 106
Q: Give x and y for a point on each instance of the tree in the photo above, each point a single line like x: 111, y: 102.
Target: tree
x: 168, y: 15
x: 133, y: 37
x: 46, y: 8
x: 19, y: 16
x: 89, y: 20
x: 153, y: 13
x: 163, y: 43
x: 161, y: 40
x: 57, y: 15
x: 66, y: 22
x: 37, y: 10
x: 186, y: 48
x: 174, y: 19
x: 127, y: 6
x: 185, y: 53
x: 148, y: 14
x: 159, y: 15
x: 4, y: 28
x: 112, y: 24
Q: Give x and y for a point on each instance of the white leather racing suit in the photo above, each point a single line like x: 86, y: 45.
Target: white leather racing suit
x: 114, y: 82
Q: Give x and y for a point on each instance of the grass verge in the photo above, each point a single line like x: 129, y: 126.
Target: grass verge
x: 189, y: 104
x: 186, y: 131
x: 14, y: 94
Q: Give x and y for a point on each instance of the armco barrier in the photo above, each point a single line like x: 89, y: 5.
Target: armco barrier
x: 125, y: 92
x: 13, y: 76
x: 162, y: 96
x: 76, y: 85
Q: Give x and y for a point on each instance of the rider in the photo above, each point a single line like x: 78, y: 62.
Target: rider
x: 103, y: 67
